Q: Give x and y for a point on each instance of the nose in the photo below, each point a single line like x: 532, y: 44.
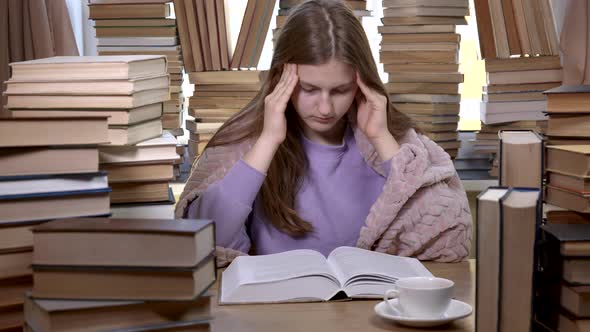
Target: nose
x: 325, y: 106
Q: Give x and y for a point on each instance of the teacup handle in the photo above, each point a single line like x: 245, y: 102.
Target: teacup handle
x: 389, y: 295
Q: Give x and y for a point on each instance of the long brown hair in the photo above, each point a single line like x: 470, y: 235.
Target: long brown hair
x: 315, y: 32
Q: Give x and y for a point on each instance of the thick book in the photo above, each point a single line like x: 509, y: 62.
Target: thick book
x: 569, y: 125
x: 16, y: 132
x: 65, y: 315
x: 135, y: 192
x: 139, y: 172
x: 155, y: 150
x: 128, y: 135
x: 42, y: 184
x: 48, y: 160
x: 89, y: 67
x: 506, y: 248
x: 569, y: 99
x: 126, y: 11
x: 116, y: 117
x: 124, y: 242
x: 569, y: 159
x: 306, y: 275
x: 86, y: 88
x: 521, y: 159
x: 568, y: 199
x: 569, y: 182
x: 123, y: 282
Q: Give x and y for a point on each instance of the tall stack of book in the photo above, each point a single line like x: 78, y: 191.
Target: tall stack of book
x: 48, y: 170
x: 420, y: 52
x: 217, y: 97
x: 129, y: 90
x: 359, y: 8
x: 518, y: 41
x: 143, y: 27
x: 104, y: 274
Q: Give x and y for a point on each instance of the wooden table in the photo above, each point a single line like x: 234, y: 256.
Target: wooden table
x: 357, y: 315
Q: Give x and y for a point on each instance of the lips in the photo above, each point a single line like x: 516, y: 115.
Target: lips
x: 323, y: 120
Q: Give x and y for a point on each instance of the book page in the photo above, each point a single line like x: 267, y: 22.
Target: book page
x: 282, y: 277
x: 355, y: 265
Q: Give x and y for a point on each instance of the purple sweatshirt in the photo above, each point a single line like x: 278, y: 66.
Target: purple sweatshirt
x: 335, y: 197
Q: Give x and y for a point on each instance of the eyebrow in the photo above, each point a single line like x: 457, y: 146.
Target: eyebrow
x: 341, y: 86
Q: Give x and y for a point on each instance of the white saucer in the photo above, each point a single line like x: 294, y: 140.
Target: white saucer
x: 456, y: 310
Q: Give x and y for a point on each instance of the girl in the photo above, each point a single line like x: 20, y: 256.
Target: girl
x: 321, y: 159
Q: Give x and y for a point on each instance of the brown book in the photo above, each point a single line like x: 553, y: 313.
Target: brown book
x: 244, y: 34
x: 128, y: 135
x: 425, y: 98
x: 522, y: 63
x: 136, y: 31
x: 218, y: 102
x: 123, y: 242
x: 185, y: 37
x: 213, y: 33
x: 434, y: 109
x: 568, y: 199
x: 16, y: 132
x: 123, y: 283
x: 518, y: 7
x: 443, y: 136
x: 63, y: 205
x: 15, y: 263
x: 211, y: 93
x: 511, y: 28
x: 425, y: 3
x: 90, y: 87
x: 46, y: 315
x: 550, y: 33
x: 499, y: 29
x: 48, y: 160
x: 89, y: 68
x: 198, y: 48
x: 525, y: 76
x: 421, y: 38
x: 567, y: 323
x: 201, y: 24
x: 427, y: 88
x: 225, y: 77
x: 171, y: 120
x: 263, y: 31
x: 572, y: 183
x: 569, y: 99
x: 139, y: 192
x: 224, y: 33
x: 110, y: 11
x: 576, y: 299
x: 437, y: 127
x: 15, y: 237
x: 577, y: 271
x: 567, y: 217
x: 157, y: 150
x: 414, y: 29
x: 406, y: 47
x: 572, y: 125
x: 164, y: 22
x: 121, y: 117
x: 388, y: 57
x: 521, y: 158
x: 138, y: 173
x: 416, y: 11
x: 424, y: 20
x: 428, y: 68
x: 512, y: 97
x: 435, y: 119
x: 569, y: 159
x: 202, y: 128
x: 253, y: 88
x: 437, y: 77
x: 257, y: 33
x: 513, y: 88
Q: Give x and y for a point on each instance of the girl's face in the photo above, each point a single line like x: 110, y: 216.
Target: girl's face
x: 322, y: 97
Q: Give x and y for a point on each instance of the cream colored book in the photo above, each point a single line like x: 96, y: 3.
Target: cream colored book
x: 66, y: 68
x: 155, y: 150
x: 127, y: 135
x: 137, y: 99
x: 87, y: 88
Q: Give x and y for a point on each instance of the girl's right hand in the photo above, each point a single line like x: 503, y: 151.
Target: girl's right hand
x: 275, y: 123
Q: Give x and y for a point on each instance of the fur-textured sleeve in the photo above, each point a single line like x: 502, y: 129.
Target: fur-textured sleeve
x: 423, y: 211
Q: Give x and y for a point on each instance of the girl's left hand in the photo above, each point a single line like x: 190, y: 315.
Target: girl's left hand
x: 372, y: 120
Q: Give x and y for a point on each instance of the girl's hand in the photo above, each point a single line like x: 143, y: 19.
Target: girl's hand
x: 275, y: 104
x: 372, y: 120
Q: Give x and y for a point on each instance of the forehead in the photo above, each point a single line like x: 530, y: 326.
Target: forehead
x: 330, y: 74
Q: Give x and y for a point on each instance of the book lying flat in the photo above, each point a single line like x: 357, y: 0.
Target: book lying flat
x: 155, y: 150
x: 41, y: 184
x: 306, y: 275
x: 48, y: 315
x: 128, y: 135
x: 89, y: 67
x: 51, y: 160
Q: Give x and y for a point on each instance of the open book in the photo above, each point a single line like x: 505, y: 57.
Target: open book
x: 306, y: 275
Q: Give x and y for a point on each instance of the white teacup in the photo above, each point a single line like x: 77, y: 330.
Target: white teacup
x: 421, y: 297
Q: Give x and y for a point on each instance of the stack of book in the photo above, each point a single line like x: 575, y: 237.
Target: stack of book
x: 518, y: 41
x: 420, y: 52
x: 143, y: 27
x: 217, y: 97
x: 563, y: 283
x: 359, y: 8
x: 129, y: 89
x: 48, y: 170
x: 568, y: 150
x: 100, y: 274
